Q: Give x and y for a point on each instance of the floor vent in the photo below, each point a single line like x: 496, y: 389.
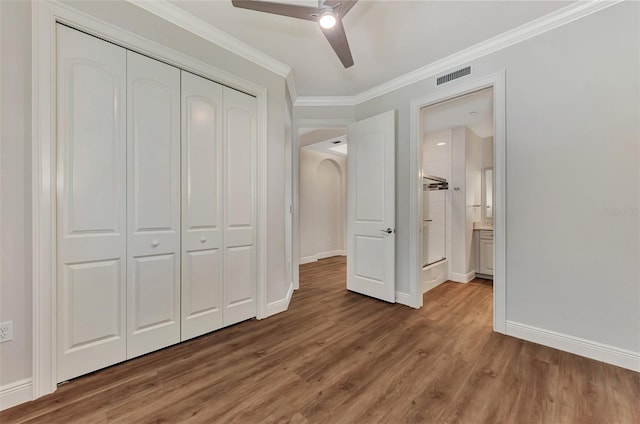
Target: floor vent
x: 453, y: 75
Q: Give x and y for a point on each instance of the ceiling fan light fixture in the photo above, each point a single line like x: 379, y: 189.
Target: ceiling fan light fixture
x: 328, y: 19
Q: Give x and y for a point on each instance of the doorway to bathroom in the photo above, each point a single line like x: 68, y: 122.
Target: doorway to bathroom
x: 457, y: 163
x: 456, y: 198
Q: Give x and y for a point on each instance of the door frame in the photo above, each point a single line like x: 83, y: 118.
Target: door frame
x: 495, y: 81
x: 320, y: 123
x: 45, y: 16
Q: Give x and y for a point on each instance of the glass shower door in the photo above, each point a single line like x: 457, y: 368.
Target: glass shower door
x: 434, y: 217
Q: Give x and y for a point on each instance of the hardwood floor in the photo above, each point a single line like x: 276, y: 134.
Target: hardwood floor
x: 339, y: 357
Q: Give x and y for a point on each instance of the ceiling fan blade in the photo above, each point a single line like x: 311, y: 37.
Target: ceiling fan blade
x: 338, y: 40
x: 341, y: 7
x: 292, y: 10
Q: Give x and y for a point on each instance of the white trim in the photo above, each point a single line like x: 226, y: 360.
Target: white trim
x: 295, y: 150
x: 279, y: 305
x: 15, y: 393
x: 199, y: 27
x: 308, y: 259
x: 601, y: 352
x: 327, y: 100
x: 45, y: 14
x: 291, y: 85
x: 462, y: 278
x: 321, y: 123
x: 331, y: 253
x: 404, y: 299
x: 497, y: 82
x: 555, y: 19
x: 322, y: 255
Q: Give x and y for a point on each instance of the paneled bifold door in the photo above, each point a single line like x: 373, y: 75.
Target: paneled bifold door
x: 91, y: 199
x: 201, y: 205
x: 218, y: 206
x: 156, y: 226
x: 153, y: 205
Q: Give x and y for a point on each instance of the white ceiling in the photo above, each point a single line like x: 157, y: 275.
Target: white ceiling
x: 459, y: 112
x: 387, y: 38
x: 327, y: 146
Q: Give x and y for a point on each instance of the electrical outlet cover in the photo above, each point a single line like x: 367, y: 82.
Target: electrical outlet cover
x: 6, y: 331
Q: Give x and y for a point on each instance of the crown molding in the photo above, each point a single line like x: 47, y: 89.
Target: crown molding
x: 326, y: 101
x: 197, y: 26
x: 291, y: 85
x: 553, y: 20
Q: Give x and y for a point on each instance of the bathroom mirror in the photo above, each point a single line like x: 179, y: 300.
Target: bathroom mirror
x: 487, y: 195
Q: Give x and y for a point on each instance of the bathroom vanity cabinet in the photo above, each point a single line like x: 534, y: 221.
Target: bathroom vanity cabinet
x: 484, y: 252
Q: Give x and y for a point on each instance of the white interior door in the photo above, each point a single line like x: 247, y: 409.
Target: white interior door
x: 371, y: 207
x: 91, y: 198
x: 201, y: 206
x: 153, y: 205
x: 240, y: 217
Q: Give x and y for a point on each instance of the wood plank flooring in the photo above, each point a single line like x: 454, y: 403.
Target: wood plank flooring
x: 339, y: 357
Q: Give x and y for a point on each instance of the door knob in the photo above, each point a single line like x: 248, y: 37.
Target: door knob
x: 203, y: 240
x: 388, y: 231
x: 155, y: 243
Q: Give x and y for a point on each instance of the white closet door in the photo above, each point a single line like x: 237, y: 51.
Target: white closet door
x: 240, y: 152
x: 153, y: 159
x: 91, y: 190
x: 201, y: 206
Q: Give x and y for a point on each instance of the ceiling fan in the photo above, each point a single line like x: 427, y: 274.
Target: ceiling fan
x: 328, y: 15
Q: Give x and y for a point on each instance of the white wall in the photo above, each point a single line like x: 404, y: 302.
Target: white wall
x: 465, y: 188
x: 15, y: 183
x: 15, y: 286
x: 473, y: 160
x: 572, y: 177
x: 487, y: 152
x: 322, y: 204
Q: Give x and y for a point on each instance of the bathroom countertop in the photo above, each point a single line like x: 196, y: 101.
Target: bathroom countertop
x: 481, y: 226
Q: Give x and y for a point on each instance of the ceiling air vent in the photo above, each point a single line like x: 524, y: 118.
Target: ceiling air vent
x: 453, y: 75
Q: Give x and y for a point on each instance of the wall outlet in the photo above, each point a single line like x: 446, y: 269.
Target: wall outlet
x: 6, y: 331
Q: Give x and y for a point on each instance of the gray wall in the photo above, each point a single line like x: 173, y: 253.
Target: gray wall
x: 572, y: 154
x: 15, y: 176
x: 572, y: 176
x: 15, y: 184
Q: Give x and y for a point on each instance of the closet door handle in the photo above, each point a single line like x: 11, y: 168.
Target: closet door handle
x: 155, y: 243
x: 388, y: 231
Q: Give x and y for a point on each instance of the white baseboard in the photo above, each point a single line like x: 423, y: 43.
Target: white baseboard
x: 308, y: 259
x: 331, y: 254
x: 587, y: 348
x: 405, y: 299
x: 462, y: 278
x: 16, y: 393
x: 322, y: 255
x: 280, y: 305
